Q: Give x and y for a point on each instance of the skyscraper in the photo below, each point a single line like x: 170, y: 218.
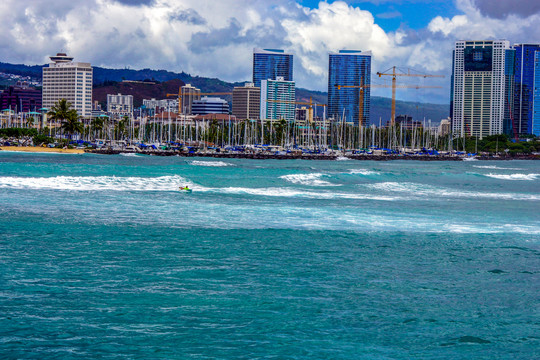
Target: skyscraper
x: 277, y: 99
x: 535, y: 126
x: 523, y: 87
x: 269, y: 64
x: 349, y: 68
x: 482, y: 78
x: 64, y: 79
x: 246, y: 102
x: 189, y: 94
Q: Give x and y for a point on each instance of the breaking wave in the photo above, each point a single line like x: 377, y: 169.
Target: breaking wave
x: 514, y: 176
x: 494, y: 167
x: 313, y: 179
x: 210, y: 163
x: 94, y: 183
x: 432, y: 191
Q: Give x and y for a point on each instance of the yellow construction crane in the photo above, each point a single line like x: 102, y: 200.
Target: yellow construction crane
x: 394, y: 74
x: 363, y: 86
x: 193, y: 93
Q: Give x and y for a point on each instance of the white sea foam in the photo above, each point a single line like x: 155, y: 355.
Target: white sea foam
x: 129, y: 154
x: 95, y: 183
x: 494, y: 167
x: 342, y: 158
x: 514, y: 176
x: 419, y: 190
x: 291, y: 192
x: 313, y: 179
x: 210, y: 163
x: 363, y: 172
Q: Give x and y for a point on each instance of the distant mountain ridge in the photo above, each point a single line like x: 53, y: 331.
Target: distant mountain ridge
x: 110, y: 81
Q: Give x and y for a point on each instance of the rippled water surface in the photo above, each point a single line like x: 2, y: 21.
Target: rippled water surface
x: 103, y: 257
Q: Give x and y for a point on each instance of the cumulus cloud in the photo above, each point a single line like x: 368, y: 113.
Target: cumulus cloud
x: 502, y: 8
x: 215, y: 39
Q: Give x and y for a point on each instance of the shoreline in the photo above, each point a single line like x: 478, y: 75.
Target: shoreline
x: 37, y: 149
x: 360, y: 157
x: 309, y: 156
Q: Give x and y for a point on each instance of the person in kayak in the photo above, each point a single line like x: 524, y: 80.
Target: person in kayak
x: 184, y: 188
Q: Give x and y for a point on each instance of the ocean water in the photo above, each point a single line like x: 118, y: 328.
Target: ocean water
x: 102, y: 257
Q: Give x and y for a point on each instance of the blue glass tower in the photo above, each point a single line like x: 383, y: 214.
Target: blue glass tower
x: 523, y: 87
x: 535, y: 126
x: 349, y: 68
x: 269, y: 64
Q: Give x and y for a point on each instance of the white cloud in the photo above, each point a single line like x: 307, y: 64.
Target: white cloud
x: 216, y: 38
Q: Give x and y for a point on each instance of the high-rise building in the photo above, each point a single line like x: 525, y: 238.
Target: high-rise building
x: 523, y: 87
x: 349, y: 68
x: 65, y: 79
x: 189, y: 94
x: 269, y: 64
x: 120, y: 105
x: 210, y: 105
x: 535, y: 125
x: 277, y: 99
x: 246, y: 101
x: 482, y: 78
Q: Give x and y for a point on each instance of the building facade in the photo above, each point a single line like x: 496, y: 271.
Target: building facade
x: 350, y: 68
x: 20, y: 98
x: 535, y: 125
x: 210, y: 105
x: 246, y: 102
x: 277, y: 99
x: 65, y: 79
x: 482, y: 78
x: 120, y: 105
x: 524, y: 70
x: 170, y: 105
x: 189, y: 94
x: 269, y: 64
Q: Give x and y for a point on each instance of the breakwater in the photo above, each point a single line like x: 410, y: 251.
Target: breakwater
x: 259, y: 155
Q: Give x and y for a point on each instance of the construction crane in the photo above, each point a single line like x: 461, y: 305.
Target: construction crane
x: 193, y: 93
x: 394, y: 75
x: 363, y: 86
x: 310, y: 103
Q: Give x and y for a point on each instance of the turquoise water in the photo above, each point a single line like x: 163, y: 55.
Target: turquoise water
x: 102, y: 257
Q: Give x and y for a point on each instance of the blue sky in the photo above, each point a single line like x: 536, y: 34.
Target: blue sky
x: 391, y: 15
x: 216, y: 38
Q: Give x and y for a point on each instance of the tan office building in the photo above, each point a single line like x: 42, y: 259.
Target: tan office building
x: 246, y: 103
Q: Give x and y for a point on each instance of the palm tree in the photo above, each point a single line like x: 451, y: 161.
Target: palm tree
x: 62, y: 111
x: 72, y: 124
x: 97, y: 126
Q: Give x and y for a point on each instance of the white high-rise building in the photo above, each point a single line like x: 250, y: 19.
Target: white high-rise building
x: 65, y: 79
x: 277, y: 99
x: 481, y: 78
x: 120, y: 105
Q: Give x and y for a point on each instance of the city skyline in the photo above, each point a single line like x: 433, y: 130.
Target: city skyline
x: 216, y: 40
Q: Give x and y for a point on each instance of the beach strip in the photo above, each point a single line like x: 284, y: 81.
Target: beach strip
x: 38, y: 149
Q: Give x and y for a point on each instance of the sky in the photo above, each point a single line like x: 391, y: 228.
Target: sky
x: 216, y: 38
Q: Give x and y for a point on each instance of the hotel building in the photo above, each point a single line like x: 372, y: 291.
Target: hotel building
x: 65, y: 79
